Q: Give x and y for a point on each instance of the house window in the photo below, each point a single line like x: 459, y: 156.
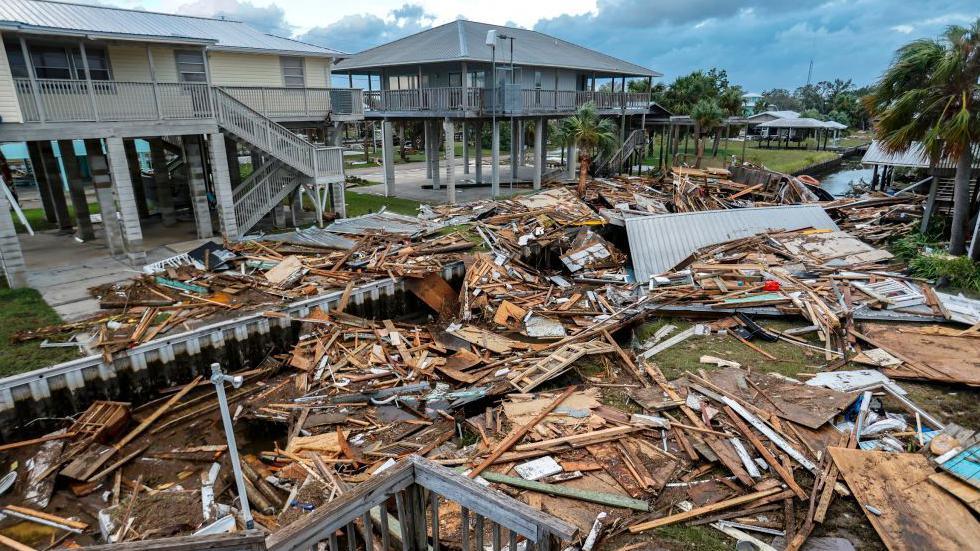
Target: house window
x: 537, y: 79
x: 476, y: 79
x: 292, y: 72
x: 190, y: 66
x: 58, y: 62
x: 98, y: 64
x: 51, y: 62
x: 403, y: 82
x: 455, y: 80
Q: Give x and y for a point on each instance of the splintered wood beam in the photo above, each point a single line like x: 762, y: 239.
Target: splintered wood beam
x: 515, y: 436
x: 696, y: 512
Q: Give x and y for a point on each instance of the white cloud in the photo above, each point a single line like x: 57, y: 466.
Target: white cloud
x: 904, y: 29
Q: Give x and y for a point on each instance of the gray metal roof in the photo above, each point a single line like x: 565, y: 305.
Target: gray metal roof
x: 801, y: 122
x: 658, y: 243
x: 773, y: 115
x: 463, y: 40
x: 913, y: 157
x: 59, y: 18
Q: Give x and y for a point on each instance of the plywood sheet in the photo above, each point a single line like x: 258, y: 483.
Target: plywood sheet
x: 914, y: 514
x: 948, y: 359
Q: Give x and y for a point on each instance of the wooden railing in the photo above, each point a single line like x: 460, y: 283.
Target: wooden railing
x: 263, y: 189
x: 68, y: 100
x: 615, y: 161
x: 481, y: 100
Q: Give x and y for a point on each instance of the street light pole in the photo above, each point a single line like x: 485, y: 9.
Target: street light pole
x: 218, y: 378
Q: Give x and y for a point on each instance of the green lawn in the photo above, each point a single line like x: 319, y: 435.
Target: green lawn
x: 780, y: 160
x: 22, y: 309
x: 363, y: 203
x: 35, y: 217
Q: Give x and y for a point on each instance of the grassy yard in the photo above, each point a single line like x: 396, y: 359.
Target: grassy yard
x: 780, y: 160
x: 35, y: 217
x: 357, y: 161
x: 363, y: 203
x: 22, y: 309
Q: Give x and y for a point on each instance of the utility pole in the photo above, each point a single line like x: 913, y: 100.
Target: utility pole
x: 218, y: 378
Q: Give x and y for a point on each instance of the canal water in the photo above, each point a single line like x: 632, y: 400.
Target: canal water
x: 838, y: 181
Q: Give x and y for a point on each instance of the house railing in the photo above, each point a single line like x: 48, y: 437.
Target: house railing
x: 412, y: 489
x: 68, y: 100
x: 481, y: 100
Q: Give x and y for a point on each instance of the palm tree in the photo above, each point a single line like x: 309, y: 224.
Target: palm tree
x: 929, y: 95
x: 591, y: 134
x: 730, y: 102
x: 707, y: 117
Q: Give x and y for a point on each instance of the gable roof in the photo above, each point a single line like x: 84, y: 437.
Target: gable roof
x: 773, y: 115
x: 60, y: 18
x: 463, y: 40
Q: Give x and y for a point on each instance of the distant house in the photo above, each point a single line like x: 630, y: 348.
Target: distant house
x: 470, y: 73
x: 767, y: 116
x: 198, y: 90
x: 749, y: 101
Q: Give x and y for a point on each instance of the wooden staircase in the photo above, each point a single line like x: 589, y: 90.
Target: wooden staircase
x: 555, y: 364
x: 265, y: 188
x: 615, y: 162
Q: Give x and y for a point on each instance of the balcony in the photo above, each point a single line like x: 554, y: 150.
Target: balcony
x: 66, y: 100
x: 479, y: 101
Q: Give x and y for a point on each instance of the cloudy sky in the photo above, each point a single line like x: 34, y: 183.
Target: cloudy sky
x: 761, y: 43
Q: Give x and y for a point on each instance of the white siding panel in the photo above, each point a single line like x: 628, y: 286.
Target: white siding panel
x: 317, y: 72
x: 233, y: 69
x: 9, y: 106
x: 129, y: 63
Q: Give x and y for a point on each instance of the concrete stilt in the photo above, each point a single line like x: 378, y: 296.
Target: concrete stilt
x: 514, y: 151
x: 234, y: 170
x: 55, y: 186
x: 122, y: 185
x: 538, y: 152
x: 161, y: 178
x: 466, y: 149
x: 198, y: 186
x: 256, y: 159
x: 103, y: 192
x: 136, y: 175
x: 338, y: 200
x: 338, y: 134
x: 76, y: 190
x: 37, y: 167
x: 478, y: 146
x: 388, y: 157
x: 222, y: 186
x: 495, y: 160
x: 450, y: 132
x: 571, y: 165
x: 521, y: 145
x: 436, y: 136
x: 11, y: 256
x: 296, y: 208
x: 427, y: 147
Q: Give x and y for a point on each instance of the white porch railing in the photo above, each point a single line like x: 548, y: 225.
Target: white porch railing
x: 481, y: 100
x: 264, y: 188
x: 68, y: 100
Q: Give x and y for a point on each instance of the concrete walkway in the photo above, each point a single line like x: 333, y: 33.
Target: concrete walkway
x: 63, y: 270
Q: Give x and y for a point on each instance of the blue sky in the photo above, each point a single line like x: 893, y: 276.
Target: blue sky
x: 761, y: 43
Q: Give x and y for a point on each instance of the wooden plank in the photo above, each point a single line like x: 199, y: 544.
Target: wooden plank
x: 613, y: 500
x: 963, y: 491
x: 12, y: 543
x: 698, y: 511
x: 434, y: 292
x: 242, y: 541
x: 767, y: 456
x: 911, y: 513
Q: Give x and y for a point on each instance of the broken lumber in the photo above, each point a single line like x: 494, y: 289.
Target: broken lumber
x: 613, y: 500
x: 698, y: 511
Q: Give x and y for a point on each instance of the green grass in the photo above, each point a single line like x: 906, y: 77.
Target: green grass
x: 780, y: 160
x: 37, y: 220
x: 363, y: 203
x: 414, y: 157
x: 22, y: 309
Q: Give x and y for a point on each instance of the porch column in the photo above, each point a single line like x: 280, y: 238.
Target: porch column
x: 521, y: 145
x: 538, y: 152
x: 76, y: 190
x: 222, y: 186
x: 572, y: 159
x: 122, y: 185
x: 514, y: 151
x: 338, y: 134
x: 434, y: 154
x: 40, y: 179
x: 448, y: 128
x: 279, y: 216
x: 466, y: 147
x: 234, y: 171
x: 427, y: 147
x: 338, y: 199
x: 544, y: 143
x: 11, y: 256
x: 388, y: 157
x: 136, y: 175
x: 478, y: 147
x: 161, y: 179
x: 197, y: 185
x: 495, y: 160
x: 55, y: 186
x: 103, y: 192
x: 256, y: 159
x: 296, y: 207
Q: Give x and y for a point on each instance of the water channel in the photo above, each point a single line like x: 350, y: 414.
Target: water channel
x: 838, y: 181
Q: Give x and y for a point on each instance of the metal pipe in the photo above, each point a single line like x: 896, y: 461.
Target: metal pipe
x: 218, y: 378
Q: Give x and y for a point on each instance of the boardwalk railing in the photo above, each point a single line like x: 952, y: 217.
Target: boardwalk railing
x: 480, y: 100
x: 264, y: 188
x: 68, y: 100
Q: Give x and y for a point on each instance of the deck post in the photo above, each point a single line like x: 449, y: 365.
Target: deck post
x: 122, y: 185
x: 136, y: 174
x: 222, y: 186
x: 56, y: 186
x: 427, y: 148
x: 514, y: 151
x: 76, y: 190
x: 450, y: 131
x: 572, y: 160
x: 11, y: 255
x: 466, y: 145
x: 161, y: 179
x: 434, y: 155
x: 198, y: 188
x: 388, y: 157
x: 478, y: 145
x: 234, y: 171
x: 103, y: 192
x: 521, y: 145
x: 538, y: 151
x: 40, y: 179
x: 495, y: 159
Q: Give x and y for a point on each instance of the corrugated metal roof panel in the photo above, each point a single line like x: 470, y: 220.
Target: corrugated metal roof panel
x: 658, y: 243
x: 913, y: 157
x: 76, y: 18
x: 463, y: 39
x: 389, y: 222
